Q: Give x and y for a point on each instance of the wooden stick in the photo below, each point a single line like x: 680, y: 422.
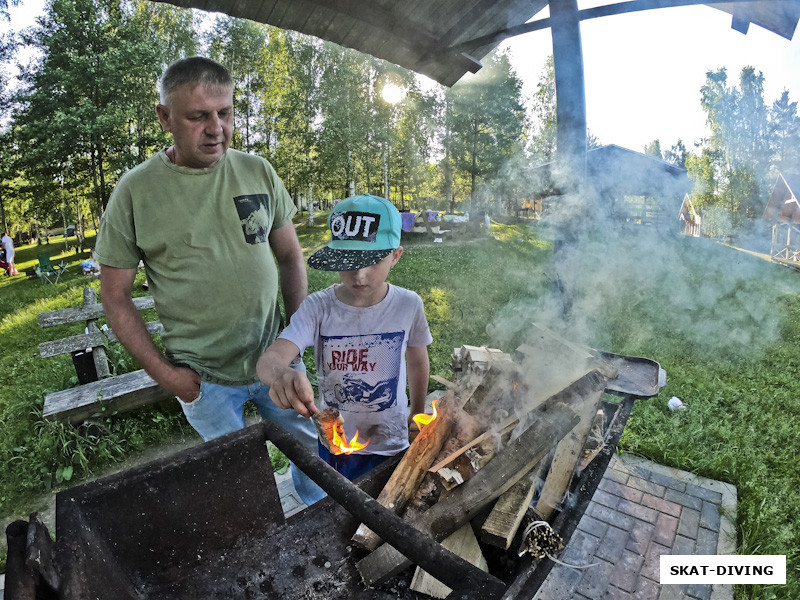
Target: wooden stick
x: 502, y: 523
x: 408, y: 474
x: 463, y: 503
x: 569, y: 449
x: 461, y: 543
x: 462, y: 464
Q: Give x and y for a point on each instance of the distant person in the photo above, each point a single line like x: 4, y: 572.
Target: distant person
x: 368, y: 335
x: 213, y: 227
x: 8, y: 248
x: 90, y: 266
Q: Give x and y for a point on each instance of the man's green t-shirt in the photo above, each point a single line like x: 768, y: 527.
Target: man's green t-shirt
x: 203, y: 237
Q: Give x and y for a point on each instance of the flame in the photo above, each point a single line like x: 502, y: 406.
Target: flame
x: 515, y: 385
x: 423, y: 419
x: 341, y: 444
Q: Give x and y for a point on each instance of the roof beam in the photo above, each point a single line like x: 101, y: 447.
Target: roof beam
x: 587, y: 13
x: 376, y: 17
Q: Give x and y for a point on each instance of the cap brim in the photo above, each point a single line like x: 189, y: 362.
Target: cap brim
x: 330, y: 259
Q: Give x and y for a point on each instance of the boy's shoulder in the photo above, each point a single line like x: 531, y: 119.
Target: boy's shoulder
x: 404, y: 291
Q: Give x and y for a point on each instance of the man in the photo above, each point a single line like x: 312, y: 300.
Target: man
x: 209, y: 223
x: 8, y: 247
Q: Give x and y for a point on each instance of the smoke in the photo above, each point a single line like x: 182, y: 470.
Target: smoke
x: 622, y: 280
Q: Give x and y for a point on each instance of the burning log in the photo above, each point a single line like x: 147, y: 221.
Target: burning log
x: 449, y: 568
x: 409, y: 473
x: 465, y: 502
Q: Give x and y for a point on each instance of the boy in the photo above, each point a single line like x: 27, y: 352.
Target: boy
x: 367, y: 336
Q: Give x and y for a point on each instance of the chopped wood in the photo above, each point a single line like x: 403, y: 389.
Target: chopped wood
x: 462, y: 464
x: 502, y: 523
x: 467, y: 360
x: 465, y: 428
x: 445, y: 382
x: 494, y: 391
x: 569, y: 449
x: 329, y: 424
x: 594, y: 442
x: 462, y: 543
x: 466, y: 501
x: 409, y: 472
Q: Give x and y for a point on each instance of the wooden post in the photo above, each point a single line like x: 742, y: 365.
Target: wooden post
x: 98, y: 352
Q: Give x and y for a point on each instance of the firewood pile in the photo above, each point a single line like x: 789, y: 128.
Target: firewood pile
x: 511, y: 431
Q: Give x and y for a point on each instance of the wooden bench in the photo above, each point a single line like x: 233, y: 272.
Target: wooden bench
x: 113, y: 393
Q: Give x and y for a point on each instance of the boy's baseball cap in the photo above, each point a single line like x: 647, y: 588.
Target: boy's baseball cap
x: 364, y: 230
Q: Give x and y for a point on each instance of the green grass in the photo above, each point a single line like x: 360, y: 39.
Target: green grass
x: 724, y: 325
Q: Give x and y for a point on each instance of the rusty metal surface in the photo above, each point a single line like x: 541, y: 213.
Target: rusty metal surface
x: 205, y: 523
x: 636, y: 376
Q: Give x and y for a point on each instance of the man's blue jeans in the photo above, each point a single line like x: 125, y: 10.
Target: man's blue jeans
x: 219, y: 409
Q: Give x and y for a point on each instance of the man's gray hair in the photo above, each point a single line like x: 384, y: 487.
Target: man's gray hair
x: 196, y: 70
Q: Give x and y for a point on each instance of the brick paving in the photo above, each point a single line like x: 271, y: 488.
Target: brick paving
x: 639, y: 512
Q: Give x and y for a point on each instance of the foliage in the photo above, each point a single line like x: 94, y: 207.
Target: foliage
x: 84, y: 112
x: 653, y: 149
x: 544, y: 125
x: 485, y: 120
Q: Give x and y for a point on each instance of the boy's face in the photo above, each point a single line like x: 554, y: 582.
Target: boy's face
x: 366, y: 287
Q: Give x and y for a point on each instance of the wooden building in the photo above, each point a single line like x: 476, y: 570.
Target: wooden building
x: 628, y: 187
x: 783, y: 211
x: 690, y: 218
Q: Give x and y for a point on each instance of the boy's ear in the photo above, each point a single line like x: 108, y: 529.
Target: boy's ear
x: 396, y: 254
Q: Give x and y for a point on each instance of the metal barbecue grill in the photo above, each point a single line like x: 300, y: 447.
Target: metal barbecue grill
x: 207, y: 523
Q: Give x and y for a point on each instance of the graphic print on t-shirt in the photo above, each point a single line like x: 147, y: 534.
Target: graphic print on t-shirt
x: 253, y: 212
x: 361, y: 372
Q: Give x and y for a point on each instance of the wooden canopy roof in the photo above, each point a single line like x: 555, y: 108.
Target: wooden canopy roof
x: 783, y: 203
x: 445, y: 39
x: 615, y: 172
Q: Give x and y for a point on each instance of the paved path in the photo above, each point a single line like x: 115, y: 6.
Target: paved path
x: 640, y: 511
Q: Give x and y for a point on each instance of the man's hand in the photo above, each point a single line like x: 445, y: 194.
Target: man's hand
x: 184, y: 383
x: 292, y: 389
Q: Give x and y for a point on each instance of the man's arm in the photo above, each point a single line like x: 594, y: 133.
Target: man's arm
x: 288, y: 388
x: 126, y: 322
x: 418, y: 370
x: 291, y: 266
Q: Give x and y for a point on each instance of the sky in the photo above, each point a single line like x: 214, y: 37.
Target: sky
x: 643, y: 71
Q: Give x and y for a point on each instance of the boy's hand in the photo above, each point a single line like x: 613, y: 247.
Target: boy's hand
x: 292, y: 389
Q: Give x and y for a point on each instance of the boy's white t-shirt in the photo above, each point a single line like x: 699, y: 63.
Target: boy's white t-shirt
x: 360, y: 356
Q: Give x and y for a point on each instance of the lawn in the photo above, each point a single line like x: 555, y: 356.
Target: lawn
x: 725, y: 326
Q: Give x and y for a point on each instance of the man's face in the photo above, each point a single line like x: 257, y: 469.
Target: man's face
x: 200, y: 119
